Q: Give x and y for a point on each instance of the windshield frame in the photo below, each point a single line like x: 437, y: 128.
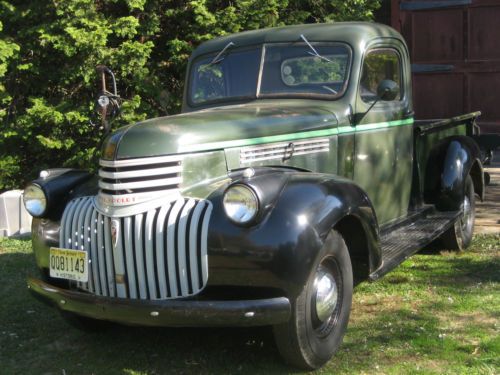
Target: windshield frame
x: 258, y: 94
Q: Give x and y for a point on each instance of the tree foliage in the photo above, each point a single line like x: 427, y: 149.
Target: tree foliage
x: 49, y: 50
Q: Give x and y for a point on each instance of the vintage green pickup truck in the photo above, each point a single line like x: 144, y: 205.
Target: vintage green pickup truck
x: 295, y: 170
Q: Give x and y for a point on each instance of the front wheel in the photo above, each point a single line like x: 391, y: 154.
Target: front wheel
x: 459, y: 236
x: 321, y: 311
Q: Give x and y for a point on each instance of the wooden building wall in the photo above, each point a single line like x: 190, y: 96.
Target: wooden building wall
x: 455, y: 48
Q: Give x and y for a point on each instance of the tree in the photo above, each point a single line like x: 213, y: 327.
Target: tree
x: 49, y: 50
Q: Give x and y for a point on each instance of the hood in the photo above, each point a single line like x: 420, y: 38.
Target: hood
x: 219, y: 128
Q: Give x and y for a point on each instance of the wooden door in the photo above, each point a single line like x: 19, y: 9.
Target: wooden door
x: 455, y: 49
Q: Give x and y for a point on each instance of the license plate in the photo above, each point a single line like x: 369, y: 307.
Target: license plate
x: 69, y: 264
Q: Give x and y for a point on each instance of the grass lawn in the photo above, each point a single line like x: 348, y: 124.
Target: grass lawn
x: 434, y: 314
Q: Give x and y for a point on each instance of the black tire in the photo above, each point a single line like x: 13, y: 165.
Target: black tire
x: 459, y: 236
x: 305, y: 341
x: 85, y: 324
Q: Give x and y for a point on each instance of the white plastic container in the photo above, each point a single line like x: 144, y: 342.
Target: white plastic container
x: 14, y: 219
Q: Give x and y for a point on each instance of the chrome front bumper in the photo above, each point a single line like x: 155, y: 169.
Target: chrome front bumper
x: 167, y: 313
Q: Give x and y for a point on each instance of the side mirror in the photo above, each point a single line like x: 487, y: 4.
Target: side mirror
x: 387, y: 90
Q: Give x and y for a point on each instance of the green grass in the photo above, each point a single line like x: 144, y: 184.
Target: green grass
x: 434, y: 314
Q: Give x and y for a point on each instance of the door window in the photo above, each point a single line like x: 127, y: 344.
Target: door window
x: 379, y: 64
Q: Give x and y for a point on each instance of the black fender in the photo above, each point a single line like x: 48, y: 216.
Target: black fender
x: 453, y: 160
x: 59, y: 186
x: 280, y: 249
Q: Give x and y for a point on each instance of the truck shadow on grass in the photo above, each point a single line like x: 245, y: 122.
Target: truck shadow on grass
x: 35, y: 336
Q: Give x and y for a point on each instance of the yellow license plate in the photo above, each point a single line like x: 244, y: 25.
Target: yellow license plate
x: 69, y: 264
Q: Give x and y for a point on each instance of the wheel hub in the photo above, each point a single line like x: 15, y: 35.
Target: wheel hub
x: 467, y: 214
x: 326, y: 294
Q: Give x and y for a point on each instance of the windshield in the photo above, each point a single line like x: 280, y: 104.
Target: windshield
x: 284, y: 70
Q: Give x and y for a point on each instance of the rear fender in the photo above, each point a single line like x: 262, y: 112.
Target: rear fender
x: 459, y: 157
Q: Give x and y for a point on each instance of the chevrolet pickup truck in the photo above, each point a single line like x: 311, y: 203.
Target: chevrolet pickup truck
x: 295, y: 170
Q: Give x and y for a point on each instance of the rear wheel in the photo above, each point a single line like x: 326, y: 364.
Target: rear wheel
x: 459, y: 236
x: 321, y: 311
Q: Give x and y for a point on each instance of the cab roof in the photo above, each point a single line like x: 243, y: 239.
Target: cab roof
x: 353, y: 33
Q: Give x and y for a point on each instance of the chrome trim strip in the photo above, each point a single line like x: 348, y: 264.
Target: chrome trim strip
x: 306, y: 143
x: 157, y: 199
x: 320, y: 147
x: 141, y: 161
x: 278, y: 150
x: 140, y: 184
x: 141, y: 173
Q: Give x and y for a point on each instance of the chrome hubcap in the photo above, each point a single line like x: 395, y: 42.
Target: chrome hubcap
x: 467, y: 214
x: 326, y: 294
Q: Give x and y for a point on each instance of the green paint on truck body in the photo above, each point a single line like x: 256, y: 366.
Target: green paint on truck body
x: 373, y: 146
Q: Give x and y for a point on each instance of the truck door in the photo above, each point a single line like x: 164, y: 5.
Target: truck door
x: 384, y: 136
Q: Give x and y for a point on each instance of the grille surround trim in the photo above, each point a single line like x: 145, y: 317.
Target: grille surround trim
x: 131, y: 181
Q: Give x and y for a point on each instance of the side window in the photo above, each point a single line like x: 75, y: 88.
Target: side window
x: 379, y: 64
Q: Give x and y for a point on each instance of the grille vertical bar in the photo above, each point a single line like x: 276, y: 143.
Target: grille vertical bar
x: 101, y: 259
x: 158, y: 254
x: 193, y: 247
x: 171, y: 248
x: 129, y: 257
x: 119, y: 261
x: 94, y: 254
x: 150, y: 265
x: 204, y: 247
x: 139, y: 256
x: 182, y: 246
x: 87, y: 244
x: 108, y: 252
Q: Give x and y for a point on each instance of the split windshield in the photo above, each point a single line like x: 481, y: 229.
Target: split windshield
x: 272, y: 70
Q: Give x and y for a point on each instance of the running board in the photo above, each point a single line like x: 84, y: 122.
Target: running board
x: 400, y: 244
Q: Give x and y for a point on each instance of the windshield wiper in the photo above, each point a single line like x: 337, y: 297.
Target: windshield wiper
x: 217, y: 59
x: 314, y: 52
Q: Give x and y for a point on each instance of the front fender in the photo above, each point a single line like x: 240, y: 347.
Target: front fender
x: 60, y: 186
x: 281, y: 249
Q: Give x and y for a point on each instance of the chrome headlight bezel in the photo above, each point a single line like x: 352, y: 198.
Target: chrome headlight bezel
x: 35, y: 200
x: 241, y: 204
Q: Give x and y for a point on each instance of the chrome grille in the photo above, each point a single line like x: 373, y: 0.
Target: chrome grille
x: 283, y: 149
x: 158, y: 254
x: 132, y: 176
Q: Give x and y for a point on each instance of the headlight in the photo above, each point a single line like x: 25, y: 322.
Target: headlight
x: 241, y: 204
x: 35, y: 200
